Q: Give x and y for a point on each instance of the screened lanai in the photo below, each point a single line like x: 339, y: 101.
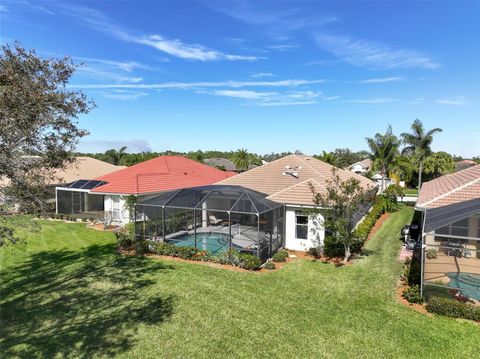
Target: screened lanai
x: 75, y: 198
x: 213, y: 218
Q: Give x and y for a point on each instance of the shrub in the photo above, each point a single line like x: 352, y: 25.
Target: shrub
x: 230, y: 257
x: 165, y: 249
x: 315, y: 251
x: 124, y: 240
x: 269, y: 265
x: 432, y: 253
x: 249, y: 261
x: 186, y: 252
x: 412, y: 294
x: 204, y: 256
x: 280, y: 256
x: 332, y: 247
x: 453, y: 308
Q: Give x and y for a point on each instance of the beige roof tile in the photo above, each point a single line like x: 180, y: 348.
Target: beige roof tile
x: 273, y: 179
x: 452, y: 188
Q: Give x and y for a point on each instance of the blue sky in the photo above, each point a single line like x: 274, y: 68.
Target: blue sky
x: 267, y: 76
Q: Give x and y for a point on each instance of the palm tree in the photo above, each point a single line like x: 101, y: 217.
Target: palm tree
x: 384, y: 150
x: 418, y: 145
x: 327, y: 157
x: 115, y: 156
x: 241, y: 158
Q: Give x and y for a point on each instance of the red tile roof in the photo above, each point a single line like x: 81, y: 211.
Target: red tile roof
x: 449, y: 189
x: 163, y: 173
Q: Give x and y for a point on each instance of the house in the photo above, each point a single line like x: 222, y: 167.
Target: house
x: 450, y: 207
x: 287, y: 181
x: 106, y: 194
x: 80, y: 168
x: 361, y: 167
x: 464, y: 164
x: 225, y: 164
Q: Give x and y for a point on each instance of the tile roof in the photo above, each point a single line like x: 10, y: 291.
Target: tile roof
x: 83, y: 168
x: 160, y: 174
x: 273, y: 180
x: 452, y: 188
x: 217, y: 161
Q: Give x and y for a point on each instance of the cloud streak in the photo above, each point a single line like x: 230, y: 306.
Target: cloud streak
x: 274, y: 98
x: 382, y: 80
x: 201, y: 84
x: 453, y: 101
x: 377, y: 100
x: 365, y: 53
x: 174, y: 47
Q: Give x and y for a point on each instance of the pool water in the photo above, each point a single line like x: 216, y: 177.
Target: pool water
x: 468, y: 283
x: 212, y: 242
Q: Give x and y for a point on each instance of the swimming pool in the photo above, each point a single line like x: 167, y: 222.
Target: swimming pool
x: 468, y: 283
x: 211, y: 241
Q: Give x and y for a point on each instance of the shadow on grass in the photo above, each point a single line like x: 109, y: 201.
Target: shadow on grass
x: 78, y: 304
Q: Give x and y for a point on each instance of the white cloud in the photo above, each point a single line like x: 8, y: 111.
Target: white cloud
x: 378, y: 100
x: 382, y: 80
x: 417, y: 101
x: 124, y: 95
x: 200, y: 84
x: 173, y: 47
x: 454, y: 101
x: 364, y: 53
x: 102, y: 75
x: 262, y: 74
x: 3, y: 8
x: 127, y: 66
x: 257, y: 98
x: 283, y: 47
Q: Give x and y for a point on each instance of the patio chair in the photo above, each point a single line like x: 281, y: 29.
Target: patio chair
x: 214, y: 220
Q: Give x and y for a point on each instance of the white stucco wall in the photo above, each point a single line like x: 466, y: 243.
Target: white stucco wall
x: 316, y: 233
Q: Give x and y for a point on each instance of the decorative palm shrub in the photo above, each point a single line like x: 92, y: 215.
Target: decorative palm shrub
x: 432, y: 253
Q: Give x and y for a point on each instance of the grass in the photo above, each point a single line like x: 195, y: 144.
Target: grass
x: 411, y: 191
x: 65, y: 293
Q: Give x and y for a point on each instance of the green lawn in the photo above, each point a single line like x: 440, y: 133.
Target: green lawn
x: 65, y: 293
x: 411, y: 191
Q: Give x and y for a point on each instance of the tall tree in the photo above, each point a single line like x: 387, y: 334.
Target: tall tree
x: 438, y: 164
x: 341, y: 202
x: 241, y: 158
x: 115, y: 157
x: 38, y: 127
x: 383, y: 152
x: 417, y: 144
x: 328, y: 157
x: 196, y: 156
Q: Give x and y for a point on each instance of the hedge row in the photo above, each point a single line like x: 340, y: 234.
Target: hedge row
x: 231, y: 257
x: 453, y: 308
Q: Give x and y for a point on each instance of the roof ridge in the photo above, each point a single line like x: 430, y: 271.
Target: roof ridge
x: 295, y: 184
x: 451, y: 191
x: 313, y: 169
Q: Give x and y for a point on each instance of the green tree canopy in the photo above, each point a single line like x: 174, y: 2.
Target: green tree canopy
x: 438, y: 164
x: 241, y: 158
x: 417, y: 145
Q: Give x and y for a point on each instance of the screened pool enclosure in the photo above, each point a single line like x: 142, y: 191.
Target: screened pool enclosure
x: 213, y: 218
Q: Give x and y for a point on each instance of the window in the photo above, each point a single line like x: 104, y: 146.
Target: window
x: 301, y: 226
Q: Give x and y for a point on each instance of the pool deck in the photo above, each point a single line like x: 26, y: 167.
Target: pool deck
x: 437, y: 269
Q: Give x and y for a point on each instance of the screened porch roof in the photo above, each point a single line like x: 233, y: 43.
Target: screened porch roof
x: 438, y: 217
x: 221, y: 198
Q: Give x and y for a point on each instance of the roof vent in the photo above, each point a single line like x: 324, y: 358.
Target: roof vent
x: 291, y: 171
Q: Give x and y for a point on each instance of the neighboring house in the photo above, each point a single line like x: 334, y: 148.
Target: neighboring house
x: 107, y: 194
x: 361, y: 167
x: 464, y: 164
x: 287, y: 181
x: 450, y: 207
x: 225, y: 164
x: 82, y: 167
